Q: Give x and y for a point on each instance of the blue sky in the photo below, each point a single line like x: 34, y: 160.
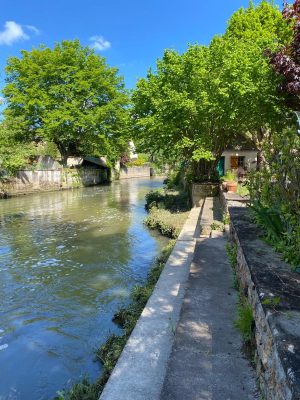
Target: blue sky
x: 131, y: 34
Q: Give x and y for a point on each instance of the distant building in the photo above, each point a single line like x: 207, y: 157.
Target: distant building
x: 132, y: 151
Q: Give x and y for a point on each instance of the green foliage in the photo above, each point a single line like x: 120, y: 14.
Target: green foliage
x: 229, y: 176
x: 139, y: 162
x: 245, y: 320
x: 216, y: 226
x: 69, y: 96
x: 111, y: 350
x: 49, y: 149
x: 272, y: 301
x: 176, y: 178
x: 242, y: 189
x: 200, y: 99
x: 269, y: 219
x: 169, y: 224
x: 84, y: 390
x: 231, y: 250
x: 15, y: 153
x: 172, y: 200
x: 226, y: 219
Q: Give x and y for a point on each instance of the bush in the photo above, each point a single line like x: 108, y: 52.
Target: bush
x: 275, y: 193
x: 172, y: 200
x: 139, y: 162
x: 169, y: 224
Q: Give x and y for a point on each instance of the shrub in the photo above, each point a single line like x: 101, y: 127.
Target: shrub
x: 169, y: 224
x: 275, y: 193
x: 172, y: 200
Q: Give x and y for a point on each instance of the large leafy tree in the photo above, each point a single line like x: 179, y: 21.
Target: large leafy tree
x: 196, y: 103
x: 246, y: 72
x: 180, y: 110
x: 70, y: 96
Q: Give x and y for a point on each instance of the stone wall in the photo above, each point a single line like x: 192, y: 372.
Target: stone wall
x: 201, y: 190
x: 28, y: 181
x: 134, y: 172
x: 273, y: 291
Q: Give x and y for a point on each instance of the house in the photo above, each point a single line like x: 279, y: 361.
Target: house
x: 239, y: 158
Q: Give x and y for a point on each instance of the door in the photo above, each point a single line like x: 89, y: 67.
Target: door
x: 221, y: 166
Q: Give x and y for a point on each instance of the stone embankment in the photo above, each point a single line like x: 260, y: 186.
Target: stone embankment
x: 273, y: 291
x: 134, y: 172
x: 31, y: 181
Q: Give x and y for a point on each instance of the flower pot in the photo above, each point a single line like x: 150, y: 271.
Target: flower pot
x: 231, y: 187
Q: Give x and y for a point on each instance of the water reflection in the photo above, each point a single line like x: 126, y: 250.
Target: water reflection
x: 67, y: 260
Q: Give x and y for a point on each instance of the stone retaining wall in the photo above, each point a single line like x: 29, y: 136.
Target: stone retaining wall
x: 28, y: 181
x: 135, y: 172
x: 200, y: 191
x: 273, y: 290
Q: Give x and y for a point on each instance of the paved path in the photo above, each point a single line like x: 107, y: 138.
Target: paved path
x: 206, y: 362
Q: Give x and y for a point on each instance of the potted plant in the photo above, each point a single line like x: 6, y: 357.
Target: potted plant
x: 229, y: 181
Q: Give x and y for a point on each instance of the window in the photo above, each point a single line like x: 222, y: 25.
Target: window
x: 236, y: 162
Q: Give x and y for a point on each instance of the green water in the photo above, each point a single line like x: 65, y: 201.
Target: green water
x: 67, y: 261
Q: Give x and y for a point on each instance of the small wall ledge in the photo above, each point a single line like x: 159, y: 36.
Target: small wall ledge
x: 273, y: 290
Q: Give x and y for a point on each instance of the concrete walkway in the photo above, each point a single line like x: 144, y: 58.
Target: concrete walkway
x: 206, y: 362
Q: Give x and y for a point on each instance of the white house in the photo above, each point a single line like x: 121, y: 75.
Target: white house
x: 238, y: 158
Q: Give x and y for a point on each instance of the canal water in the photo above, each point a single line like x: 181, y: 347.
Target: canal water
x: 68, y: 260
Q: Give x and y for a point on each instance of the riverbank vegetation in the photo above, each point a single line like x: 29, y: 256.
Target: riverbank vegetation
x: 67, y: 96
x: 168, y: 210
x: 126, y: 318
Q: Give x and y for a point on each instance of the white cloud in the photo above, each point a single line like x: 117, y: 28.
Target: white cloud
x: 14, y: 32
x: 33, y: 29
x: 99, y: 43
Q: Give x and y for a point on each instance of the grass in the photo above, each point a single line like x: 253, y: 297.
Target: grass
x: 244, y: 321
x: 111, y: 350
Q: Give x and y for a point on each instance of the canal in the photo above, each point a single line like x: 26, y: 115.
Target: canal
x: 68, y: 260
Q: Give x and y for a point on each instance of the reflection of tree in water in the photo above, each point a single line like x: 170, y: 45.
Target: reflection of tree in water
x: 78, y: 251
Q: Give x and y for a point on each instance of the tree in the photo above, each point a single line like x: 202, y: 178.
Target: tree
x: 196, y: 103
x: 251, y: 84
x: 286, y: 61
x: 180, y: 112
x: 70, y: 96
x: 14, y: 151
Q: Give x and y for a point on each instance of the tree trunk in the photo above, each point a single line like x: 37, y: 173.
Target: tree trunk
x: 261, y: 159
x: 259, y: 140
x: 64, y: 154
x: 204, y: 170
